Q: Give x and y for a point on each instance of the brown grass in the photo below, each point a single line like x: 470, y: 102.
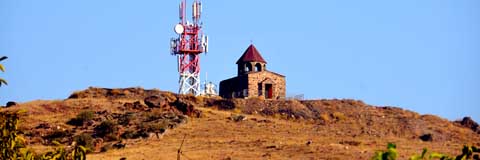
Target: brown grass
x: 214, y: 137
x: 338, y: 129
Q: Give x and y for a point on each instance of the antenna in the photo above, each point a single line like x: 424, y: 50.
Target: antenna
x: 194, y: 12
x: 188, y: 46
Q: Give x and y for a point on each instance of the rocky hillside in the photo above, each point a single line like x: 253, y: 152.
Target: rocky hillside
x: 111, y: 118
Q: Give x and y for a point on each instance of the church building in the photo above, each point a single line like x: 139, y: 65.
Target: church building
x: 253, y: 79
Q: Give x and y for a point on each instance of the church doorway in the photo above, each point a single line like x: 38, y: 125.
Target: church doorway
x: 268, y: 91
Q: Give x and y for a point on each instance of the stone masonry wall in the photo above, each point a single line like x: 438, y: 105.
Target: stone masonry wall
x: 233, y: 87
x: 278, y: 82
x: 237, y: 86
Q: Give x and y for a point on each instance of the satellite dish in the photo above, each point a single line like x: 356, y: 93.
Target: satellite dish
x: 179, y: 29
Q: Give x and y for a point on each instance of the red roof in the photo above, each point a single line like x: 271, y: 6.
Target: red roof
x: 251, y: 55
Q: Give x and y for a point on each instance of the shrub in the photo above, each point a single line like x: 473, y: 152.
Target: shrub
x: 141, y: 133
x: 107, y: 130
x: 81, y: 118
x: 152, y: 116
x: 179, y: 119
x: 185, y: 106
x: 85, y: 140
x: 57, y: 135
x: 158, y: 127
x: 85, y: 116
x: 224, y: 104
x: 125, y: 119
x: 129, y: 134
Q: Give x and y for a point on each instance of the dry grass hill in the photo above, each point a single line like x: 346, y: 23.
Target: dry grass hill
x: 134, y: 123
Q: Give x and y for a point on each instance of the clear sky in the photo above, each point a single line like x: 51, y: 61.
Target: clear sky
x: 419, y: 55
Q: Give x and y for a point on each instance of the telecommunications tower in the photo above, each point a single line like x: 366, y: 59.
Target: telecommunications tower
x: 188, y: 46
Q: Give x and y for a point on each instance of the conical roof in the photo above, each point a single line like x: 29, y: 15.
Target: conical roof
x: 251, y: 55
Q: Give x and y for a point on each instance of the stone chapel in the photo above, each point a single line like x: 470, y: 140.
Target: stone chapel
x: 253, y: 79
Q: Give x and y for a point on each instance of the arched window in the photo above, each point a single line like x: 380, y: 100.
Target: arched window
x: 258, y: 67
x: 248, y: 67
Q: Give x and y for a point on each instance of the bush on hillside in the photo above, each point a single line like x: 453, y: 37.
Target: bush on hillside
x: 85, y: 140
x: 58, y: 136
x: 126, y: 119
x: 81, y: 118
x: 107, y: 130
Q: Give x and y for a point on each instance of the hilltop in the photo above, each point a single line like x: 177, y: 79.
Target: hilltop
x: 146, y: 124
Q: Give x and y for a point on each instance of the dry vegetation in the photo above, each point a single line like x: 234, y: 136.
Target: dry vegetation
x: 236, y: 129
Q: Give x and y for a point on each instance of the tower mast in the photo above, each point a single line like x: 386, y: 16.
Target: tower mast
x: 188, y: 46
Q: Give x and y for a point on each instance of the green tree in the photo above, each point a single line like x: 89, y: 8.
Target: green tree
x: 468, y: 153
x: 389, y: 154
x: 2, y: 81
x: 12, y: 145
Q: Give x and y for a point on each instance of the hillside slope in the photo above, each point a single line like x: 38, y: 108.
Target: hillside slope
x: 318, y: 129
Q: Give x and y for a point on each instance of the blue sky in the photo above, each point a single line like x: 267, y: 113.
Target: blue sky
x: 419, y: 55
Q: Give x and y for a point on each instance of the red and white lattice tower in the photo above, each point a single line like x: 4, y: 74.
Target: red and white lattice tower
x: 188, y: 46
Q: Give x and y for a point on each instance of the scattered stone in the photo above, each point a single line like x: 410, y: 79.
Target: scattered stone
x: 119, y: 145
x: 157, y: 135
x: 135, y: 105
x: 271, y: 147
x: 351, y: 143
x: 97, y: 144
x: 43, y: 126
x: 90, y: 123
x: 104, y: 112
x: 265, y: 121
x: 224, y: 104
x: 128, y: 105
x: 309, y: 142
x: 186, y: 107
x: 469, y: 123
x: 237, y: 117
x: 267, y: 155
x: 155, y: 102
x: 138, y: 105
